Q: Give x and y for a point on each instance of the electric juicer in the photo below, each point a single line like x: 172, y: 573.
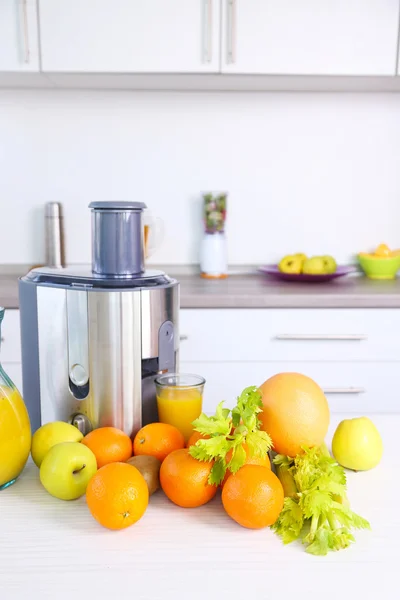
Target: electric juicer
x: 94, y: 339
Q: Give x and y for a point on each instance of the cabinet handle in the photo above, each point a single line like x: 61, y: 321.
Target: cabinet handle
x: 183, y: 338
x: 349, y: 390
x: 25, y: 31
x: 208, y: 28
x: 231, y: 32
x: 357, y: 337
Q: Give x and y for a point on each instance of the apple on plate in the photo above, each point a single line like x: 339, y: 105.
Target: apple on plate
x: 67, y: 469
x: 49, y: 435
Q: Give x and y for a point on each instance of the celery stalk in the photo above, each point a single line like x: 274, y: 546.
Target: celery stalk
x: 287, y: 480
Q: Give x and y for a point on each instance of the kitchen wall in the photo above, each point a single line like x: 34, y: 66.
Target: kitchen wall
x: 305, y: 172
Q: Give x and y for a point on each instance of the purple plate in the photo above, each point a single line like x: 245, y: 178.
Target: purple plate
x: 273, y: 271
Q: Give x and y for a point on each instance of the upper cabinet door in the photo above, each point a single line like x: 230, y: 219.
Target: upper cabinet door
x: 310, y: 37
x: 18, y: 36
x: 130, y: 36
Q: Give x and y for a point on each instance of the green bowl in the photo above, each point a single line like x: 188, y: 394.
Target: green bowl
x: 379, y: 267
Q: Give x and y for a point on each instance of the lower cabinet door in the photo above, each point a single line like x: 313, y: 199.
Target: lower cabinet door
x: 354, y: 388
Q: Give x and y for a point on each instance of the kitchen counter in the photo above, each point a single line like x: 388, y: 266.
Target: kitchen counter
x: 254, y: 291
x: 55, y: 550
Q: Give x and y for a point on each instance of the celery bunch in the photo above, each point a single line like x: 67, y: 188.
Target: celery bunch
x: 316, y: 506
x: 228, y: 431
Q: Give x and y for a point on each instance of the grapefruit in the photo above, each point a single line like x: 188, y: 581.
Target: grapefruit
x: 295, y: 412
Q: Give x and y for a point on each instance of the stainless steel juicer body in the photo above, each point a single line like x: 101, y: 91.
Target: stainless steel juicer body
x: 93, y: 341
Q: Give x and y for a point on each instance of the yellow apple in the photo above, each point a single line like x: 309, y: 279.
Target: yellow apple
x: 291, y: 264
x: 67, y: 469
x: 357, y: 444
x: 51, y: 434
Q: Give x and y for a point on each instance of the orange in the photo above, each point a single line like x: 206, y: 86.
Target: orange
x: 185, y: 479
x: 195, y: 437
x: 158, y: 439
x: 109, y: 445
x: 263, y: 461
x: 295, y: 413
x: 117, y: 495
x: 253, y: 497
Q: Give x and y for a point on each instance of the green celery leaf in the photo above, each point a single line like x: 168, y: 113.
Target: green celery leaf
x: 283, y: 460
x: 222, y: 413
x: 341, y: 538
x: 322, y: 543
x: 348, y: 518
x: 215, y: 447
x: 359, y: 522
x: 315, y: 503
x: 217, y: 473
x: 324, y: 483
x: 238, y: 459
x: 333, y: 470
x: 199, y: 453
x: 236, y: 417
x: 290, y: 522
x: 258, y: 443
x: 249, y: 402
x: 212, y: 425
x: 305, y: 472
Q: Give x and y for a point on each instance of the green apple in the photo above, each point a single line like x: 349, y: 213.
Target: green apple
x: 67, y: 469
x: 357, y: 444
x: 51, y: 434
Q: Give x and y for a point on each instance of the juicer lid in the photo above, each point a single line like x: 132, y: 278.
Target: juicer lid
x: 81, y: 277
x: 117, y: 205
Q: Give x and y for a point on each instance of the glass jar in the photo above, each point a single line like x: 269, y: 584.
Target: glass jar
x: 15, y: 429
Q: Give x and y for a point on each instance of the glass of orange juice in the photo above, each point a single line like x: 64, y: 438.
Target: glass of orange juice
x: 179, y: 400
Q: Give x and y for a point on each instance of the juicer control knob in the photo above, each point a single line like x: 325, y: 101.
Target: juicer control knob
x: 81, y: 422
x: 78, y: 375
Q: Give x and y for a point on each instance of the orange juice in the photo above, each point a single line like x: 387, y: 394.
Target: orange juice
x: 15, y: 435
x: 146, y: 239
x: 179, y: 406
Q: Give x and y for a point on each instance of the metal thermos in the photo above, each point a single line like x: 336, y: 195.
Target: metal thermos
x: 54, y: 235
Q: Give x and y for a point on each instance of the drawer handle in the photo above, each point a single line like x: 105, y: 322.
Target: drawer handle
x: 183, y: 338
x: 231, y: 33
x: 25, y: 31
x: 207, y: 43
x: 344, y: 390
x: 323, y: 336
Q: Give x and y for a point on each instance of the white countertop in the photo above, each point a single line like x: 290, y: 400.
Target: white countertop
x: 55, y: 549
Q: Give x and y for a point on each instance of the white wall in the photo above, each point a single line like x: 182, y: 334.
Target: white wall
x: 318, y: 173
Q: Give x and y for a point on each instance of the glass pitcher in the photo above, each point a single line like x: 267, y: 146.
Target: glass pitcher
x: 15, y: 429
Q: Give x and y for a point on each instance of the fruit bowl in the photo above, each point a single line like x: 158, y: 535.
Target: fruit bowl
x: 273, y: 271
x: 379, y: 267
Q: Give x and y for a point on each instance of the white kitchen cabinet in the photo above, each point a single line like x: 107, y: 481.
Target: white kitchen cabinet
x: 353, y: 354
x: 310, y: 37
x: 18, y: 36
x: 264, y: 335
x: 354, y: 388
x: 130, y: 36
